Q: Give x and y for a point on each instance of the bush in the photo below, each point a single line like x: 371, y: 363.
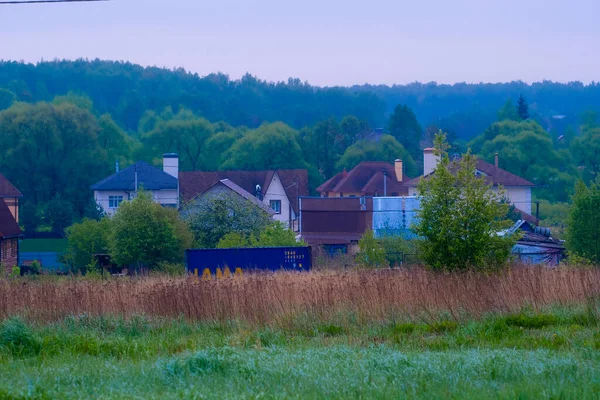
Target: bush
x: 17, y: 338
x: 371, y: 253
x: 172, y: 269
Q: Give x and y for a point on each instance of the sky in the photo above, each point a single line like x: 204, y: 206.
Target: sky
x: 324, y: 42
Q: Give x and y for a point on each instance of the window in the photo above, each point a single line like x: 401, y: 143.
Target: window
x: 114, y: 201
x: 276, y: 206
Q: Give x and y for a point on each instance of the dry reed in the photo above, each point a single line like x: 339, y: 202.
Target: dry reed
x: 268, y: 298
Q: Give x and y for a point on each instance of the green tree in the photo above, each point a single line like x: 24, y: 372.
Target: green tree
x: 508, y: 111
x: 48, y: 150
x: 407, y: 130
x: 211, y: 217
x: 387, y: 149
x: 583, y: 227
x: 586, y: 151
x: 523, y: 108
x: 527, y: 150
x: 87, y: 238
x: 144, y: 233
x: 186, y: 137
x: 271, y: 146
x: 58, y: 214
x: 460, y: 218
x: 7, y: 98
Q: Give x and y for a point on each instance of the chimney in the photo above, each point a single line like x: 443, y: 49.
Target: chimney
x: 344, y: 173
x: 496, y: 159
x: 117, y: 166
x: 430, y: 161
x: 171, y: 164
x: 398, y: 170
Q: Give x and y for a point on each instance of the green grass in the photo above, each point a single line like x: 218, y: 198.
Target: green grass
x: 550, y: 355
x: 44, y: 245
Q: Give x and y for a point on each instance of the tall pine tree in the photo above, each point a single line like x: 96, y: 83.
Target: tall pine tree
x: 523, y: 108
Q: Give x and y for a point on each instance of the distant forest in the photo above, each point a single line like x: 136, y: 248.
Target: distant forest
x: 126, y: 91
x: 64, y: 123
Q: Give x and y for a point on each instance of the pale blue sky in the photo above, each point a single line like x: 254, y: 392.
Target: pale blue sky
x: 326, y: 42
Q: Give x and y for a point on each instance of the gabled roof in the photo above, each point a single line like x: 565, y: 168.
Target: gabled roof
x: 193, y: 183
x: 148, y: 177
x: 8, y: 226
x: 7, y: 189
x: 493, y: 175
x: 240, y: 191
x: 367, y: 178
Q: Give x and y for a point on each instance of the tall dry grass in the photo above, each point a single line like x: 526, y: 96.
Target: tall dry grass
x: 368, y: 295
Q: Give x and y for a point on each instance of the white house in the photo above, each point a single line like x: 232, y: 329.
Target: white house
x: 517, y: 190
x: 163, y: 184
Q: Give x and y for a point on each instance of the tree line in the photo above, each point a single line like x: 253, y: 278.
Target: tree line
x: 54, y: 147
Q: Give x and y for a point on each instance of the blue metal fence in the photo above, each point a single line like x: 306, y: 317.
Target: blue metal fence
x: 49, y: 260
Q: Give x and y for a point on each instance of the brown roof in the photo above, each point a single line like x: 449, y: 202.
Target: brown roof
x: 240, y: 191
x: 366, y: 178
x: 193, y: 183
x: 8, y: 225
x: 493, y: 175
x: 7, y: 189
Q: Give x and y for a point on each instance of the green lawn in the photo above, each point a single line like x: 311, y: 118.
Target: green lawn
x: 44, y: 245
x: 553, y: 355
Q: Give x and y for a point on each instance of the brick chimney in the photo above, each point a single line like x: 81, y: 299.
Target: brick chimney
x: 398, y: 170
x: 344, y: 173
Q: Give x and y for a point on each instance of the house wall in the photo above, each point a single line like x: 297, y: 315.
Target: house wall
x: 275, y: 191
x: 9, y: 254
x: 518, y: 195
x: 13, y: 206
x: 101, y: 198
x: 164, y: 197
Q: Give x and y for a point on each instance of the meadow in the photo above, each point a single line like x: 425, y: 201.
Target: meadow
x: 523, y: 333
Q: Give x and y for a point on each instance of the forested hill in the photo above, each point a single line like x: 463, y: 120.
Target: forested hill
x: 127, y: 91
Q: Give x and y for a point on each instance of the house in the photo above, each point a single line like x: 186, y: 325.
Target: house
x: 279, y: 189
x: 10, y: 234
x: 225, y: 187
x: 11, y: 196
x: 335, y: 223
x: 368, y: 178
x: 517, y: 189
x: 123, y: 184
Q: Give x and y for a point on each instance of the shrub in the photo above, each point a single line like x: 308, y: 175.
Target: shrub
x: 17, y: 338
x: 371, y: 253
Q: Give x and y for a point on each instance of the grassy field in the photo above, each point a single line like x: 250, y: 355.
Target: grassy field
x: 527, y: 355
x: 527, y: 333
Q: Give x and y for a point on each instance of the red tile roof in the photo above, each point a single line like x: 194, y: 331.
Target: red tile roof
x: 493, y: 175
x: 366, y: 178
x: 7, y: 189
x: 8, y: 225
x: 193, y: 183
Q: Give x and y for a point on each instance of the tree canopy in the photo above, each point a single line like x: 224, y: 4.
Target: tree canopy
x: 460, y: 219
